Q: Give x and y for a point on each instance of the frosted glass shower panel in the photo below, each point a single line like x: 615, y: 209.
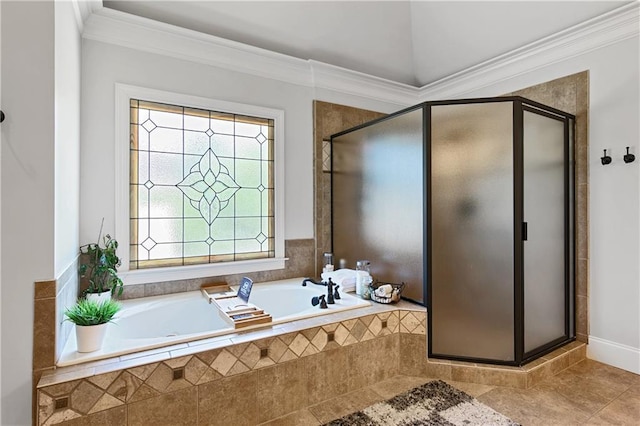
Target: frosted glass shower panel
x: 472, y: 259
x: 377, y: 189
x: 544, y: 211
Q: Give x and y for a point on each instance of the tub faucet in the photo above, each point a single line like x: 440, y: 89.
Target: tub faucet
x: 330, y: 295
x: 332, y: 292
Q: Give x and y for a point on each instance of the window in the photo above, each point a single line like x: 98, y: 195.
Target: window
x: 201, y: 187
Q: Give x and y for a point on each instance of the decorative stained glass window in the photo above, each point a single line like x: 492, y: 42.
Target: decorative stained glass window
x: 201, y: 186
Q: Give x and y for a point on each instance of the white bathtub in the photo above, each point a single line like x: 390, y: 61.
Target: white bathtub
x: 158, y: 321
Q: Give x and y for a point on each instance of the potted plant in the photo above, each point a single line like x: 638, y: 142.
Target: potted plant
x: 99, y: 265
x: 91, y: 319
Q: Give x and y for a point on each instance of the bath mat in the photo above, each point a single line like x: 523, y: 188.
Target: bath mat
x: 434, y: 403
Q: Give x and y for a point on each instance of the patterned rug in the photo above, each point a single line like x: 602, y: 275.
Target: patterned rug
x: 434, y: 403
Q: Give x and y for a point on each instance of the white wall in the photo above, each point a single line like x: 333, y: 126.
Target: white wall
x: 614, y: 197
x: 67, y: 136
x: 104, y: 64
x: 27, y: 189
x: 40, y: 176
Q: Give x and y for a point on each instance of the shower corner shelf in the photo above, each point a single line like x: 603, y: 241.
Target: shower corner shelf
x: 232, y: 308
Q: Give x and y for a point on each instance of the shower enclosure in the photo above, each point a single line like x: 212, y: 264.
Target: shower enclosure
x: 470, y: 204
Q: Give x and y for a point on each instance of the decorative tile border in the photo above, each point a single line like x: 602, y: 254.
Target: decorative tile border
x: 84, y: 396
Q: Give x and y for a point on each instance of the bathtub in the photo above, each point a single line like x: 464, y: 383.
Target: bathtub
x: 154, y: 322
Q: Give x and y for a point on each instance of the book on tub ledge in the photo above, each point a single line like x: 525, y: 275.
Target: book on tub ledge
x: 235, y: 306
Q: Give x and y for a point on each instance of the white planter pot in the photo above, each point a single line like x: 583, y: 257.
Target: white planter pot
x: 90, y: 337
x: 105, y: 296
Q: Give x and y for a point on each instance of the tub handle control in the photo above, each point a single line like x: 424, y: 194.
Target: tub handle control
x: 323, y: 303
x: 319, y: 300
x: 336, y: 295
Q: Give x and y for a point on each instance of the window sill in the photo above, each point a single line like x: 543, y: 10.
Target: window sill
x: 173, y: 273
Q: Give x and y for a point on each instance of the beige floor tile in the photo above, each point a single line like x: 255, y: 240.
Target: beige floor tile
x: 597, y: 370
x: 297, y: 418
x: 344, y: 404
x: 633, y: 390
x: 473, y: 389
x: 397, y: 385
x: 533, y: 406
x: 625, y: 410
x: 585, y: 394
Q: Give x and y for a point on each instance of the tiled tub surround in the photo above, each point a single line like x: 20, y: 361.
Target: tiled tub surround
x: 242, y: 378
x: 158, y: 321
x: 252, y: 377
x: 51, y: 332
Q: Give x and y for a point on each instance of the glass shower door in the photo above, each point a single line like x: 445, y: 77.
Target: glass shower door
x: 544, y: 252
x: 472, y: 231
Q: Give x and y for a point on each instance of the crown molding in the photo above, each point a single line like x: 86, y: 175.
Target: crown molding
x: 83, y: 9
x: 331, y: 77
x: 119, y: 28
x: 609, y: 28
x: 123, y: 29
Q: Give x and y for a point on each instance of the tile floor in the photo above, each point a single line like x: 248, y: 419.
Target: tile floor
x: 588, y: 393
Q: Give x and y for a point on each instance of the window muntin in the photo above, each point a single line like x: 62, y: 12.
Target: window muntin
x: 201, y: 186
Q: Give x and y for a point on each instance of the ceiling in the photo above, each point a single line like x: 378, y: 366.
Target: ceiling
x: 412, y: 42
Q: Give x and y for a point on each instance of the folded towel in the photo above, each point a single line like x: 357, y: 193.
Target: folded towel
x: 345, y: 278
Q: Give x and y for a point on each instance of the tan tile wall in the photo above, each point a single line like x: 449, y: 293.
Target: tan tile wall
x: 50, y: 332
x: 246, y: 383
x: 329, y: 119
x: 44, y: 325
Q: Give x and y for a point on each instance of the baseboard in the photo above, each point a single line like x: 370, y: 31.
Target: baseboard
x: 615, y: 354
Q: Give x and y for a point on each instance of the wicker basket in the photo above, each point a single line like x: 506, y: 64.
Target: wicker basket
x: 395, y: 293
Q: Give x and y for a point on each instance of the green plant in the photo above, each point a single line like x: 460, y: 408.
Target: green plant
x: 90, y: 312
x: 99, y: 264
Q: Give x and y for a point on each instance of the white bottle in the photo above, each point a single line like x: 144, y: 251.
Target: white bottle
x: 328, y: 262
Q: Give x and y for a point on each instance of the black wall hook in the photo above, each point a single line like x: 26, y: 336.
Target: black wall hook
x: 605, y: 159
x: 1, y: 116
x: 629, y: 158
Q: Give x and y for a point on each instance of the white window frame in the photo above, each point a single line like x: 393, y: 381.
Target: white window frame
x: 126, y: 92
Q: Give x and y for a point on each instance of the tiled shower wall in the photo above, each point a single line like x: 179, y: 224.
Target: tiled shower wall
x: 329, y: 119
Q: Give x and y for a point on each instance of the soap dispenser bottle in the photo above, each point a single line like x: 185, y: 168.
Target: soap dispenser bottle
x: 363, y: 278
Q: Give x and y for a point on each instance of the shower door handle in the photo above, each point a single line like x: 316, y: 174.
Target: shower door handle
x: 525, y: 232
